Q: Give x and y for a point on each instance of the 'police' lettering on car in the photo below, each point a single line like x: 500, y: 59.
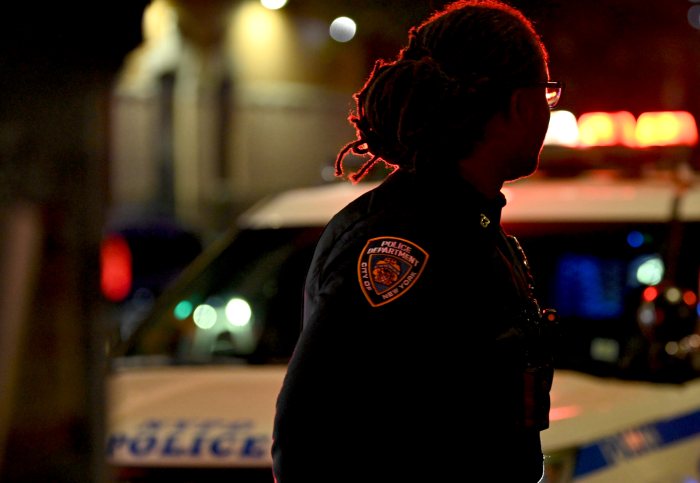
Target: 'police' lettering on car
x: 208, y: 440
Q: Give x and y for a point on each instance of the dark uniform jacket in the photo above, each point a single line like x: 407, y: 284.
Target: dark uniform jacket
x: 421, y: 356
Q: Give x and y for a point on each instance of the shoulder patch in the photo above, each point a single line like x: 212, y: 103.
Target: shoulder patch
x: 388, y: 267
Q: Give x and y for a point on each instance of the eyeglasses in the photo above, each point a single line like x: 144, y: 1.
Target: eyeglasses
x: 552, y: 91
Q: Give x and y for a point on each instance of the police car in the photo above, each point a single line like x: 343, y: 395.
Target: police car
x: 611, y: 226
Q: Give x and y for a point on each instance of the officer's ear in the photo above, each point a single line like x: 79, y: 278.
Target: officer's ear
x: 523, y: 106
x: 528, y: 112
x: 507, y: 122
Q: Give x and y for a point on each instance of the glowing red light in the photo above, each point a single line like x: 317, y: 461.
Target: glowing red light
x: 563, y: 412
x: 689, y: 297
x: 666, y: 128
x: 607, y: 129
x: 650, y: 293
x: 115, y: 268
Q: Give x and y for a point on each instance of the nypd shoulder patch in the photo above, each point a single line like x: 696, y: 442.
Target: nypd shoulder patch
x: 388, y: 267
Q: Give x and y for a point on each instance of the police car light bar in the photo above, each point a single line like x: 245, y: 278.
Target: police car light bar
x: 607, y: 129
x: 562, y: 130
x: 675, y: 128
x: 620, y: 128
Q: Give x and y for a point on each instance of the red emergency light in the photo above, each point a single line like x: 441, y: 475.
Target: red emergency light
x: 668, y: 128
x: 115, y: 268
x: 607, y: 129
x: 621, y: 128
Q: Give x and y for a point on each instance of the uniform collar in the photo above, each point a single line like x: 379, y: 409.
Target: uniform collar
x: 443, y: 191
x: 490, y: 211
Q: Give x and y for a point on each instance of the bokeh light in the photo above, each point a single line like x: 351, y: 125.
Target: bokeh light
x: 650, y: 271
x: 204, y: 316
x: 343, y: 29
x: 238, y: 312
x: 273, y: 4
x: 183, y: 310
x: 635, y: 239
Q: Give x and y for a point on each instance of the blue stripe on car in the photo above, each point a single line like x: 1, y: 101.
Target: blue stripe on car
x: 635, y: 442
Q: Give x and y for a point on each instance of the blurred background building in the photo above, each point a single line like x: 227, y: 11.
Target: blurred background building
x: 192, y: 110
x: 227, y: 101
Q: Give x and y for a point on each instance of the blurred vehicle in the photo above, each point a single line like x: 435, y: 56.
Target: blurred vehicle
x: 139, y: 258
x: 612, y: 232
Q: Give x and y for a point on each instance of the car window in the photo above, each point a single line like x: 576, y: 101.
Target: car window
x: 239, y: 302
x: 597, y: 276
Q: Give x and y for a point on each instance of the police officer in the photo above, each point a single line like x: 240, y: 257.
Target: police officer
x: 423, y: 354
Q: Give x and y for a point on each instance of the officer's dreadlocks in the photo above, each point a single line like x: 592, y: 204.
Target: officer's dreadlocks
x: 437, y: 94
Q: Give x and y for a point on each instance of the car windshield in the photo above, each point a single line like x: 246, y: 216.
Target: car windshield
x: 239, y: 302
